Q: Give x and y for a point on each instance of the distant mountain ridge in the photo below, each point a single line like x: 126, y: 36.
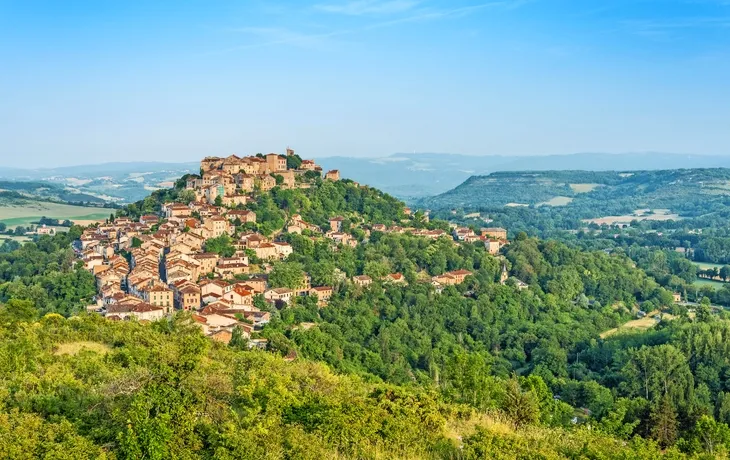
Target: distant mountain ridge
x: 408, y: 176
x: 93, y: 170
x: 111, y: 182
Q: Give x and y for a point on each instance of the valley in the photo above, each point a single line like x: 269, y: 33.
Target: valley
x: 297, y: 273
x: 26, y: 212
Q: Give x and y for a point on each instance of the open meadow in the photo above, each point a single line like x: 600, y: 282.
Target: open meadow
x: 27, y: 212
x: 707, y: 265
x: 638, y: 215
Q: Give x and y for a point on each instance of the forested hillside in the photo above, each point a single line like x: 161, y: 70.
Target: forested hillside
x: 47, y: 191
x: 86, y: 388
x: 517, y: 361
x: 562, y: 199
x: 47, y: 273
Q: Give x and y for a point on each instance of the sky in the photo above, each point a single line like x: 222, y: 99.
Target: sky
x: 98, y: 81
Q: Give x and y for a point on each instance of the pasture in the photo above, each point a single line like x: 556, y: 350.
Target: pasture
x: 583, y: 188
x: 25, y: 213
x: 639, y: 215
x: 557, y: 201
x: 711, y: 283
x: 706, y: 265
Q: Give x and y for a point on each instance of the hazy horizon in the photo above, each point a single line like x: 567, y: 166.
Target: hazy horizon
x: 88, y: 82
x: 364, y: 157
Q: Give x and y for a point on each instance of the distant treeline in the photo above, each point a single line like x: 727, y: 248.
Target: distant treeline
x: 80, y: 199
x: 49, y: 191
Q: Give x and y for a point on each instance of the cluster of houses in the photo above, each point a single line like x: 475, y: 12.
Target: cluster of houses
x: 431, y: 234
x: 149, y: 267
x: 165, y: 267
x: 493, y: 238
x: 336, y: 234
x: 449, y: 279
x: 232, y: 179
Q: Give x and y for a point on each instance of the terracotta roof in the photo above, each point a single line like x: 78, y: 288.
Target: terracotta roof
x: 132, y: 308
x: 199, y: 319
x: 241, y: 291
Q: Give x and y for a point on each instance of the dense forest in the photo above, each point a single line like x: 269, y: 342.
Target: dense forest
x: 84, y: 388
x: 47, y: 273
x: 483, y: 369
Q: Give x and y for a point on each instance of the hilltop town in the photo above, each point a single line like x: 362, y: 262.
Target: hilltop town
x: 208, y: 252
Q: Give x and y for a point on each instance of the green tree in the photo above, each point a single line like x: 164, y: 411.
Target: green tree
x: 664, y: 424
x: 16, y: 311
x: 711, y: 434
x: 521, y: 406
x: 287, y: 274
x: 293, y: 161
x: 221, y: 245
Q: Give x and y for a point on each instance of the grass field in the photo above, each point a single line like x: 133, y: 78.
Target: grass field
x: 715, y: 284
x: 557, y: 201
x: 583, y: 188
x: 647, y: 322
x: 705, y: 265
x: 639, y: 214
x: 24, y: 214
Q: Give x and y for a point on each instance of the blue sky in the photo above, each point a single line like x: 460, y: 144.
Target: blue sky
x: 96, y: 81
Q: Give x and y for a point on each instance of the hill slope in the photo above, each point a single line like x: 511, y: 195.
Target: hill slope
x: 405, y: 175
x: 116, y: 182
x: 88, y: 388
x: 415, y: 175
x: 481, y: 367
x: 686, y: 192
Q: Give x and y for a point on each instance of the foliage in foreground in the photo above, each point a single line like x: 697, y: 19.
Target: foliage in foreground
x: 88, y: 388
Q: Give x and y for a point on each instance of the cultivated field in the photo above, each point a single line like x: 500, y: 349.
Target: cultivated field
x: 639, y: 214
x: 706, y: 265
x: 557, y: 201
x: 24, y: 214
x: 583, y: 188
x: 711, y: 283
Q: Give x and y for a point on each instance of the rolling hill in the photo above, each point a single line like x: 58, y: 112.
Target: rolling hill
x: 109, y: 182
x: 408, y: 176
x: 415, y: 175
x: 607, y: 197
x: 18, y: 210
